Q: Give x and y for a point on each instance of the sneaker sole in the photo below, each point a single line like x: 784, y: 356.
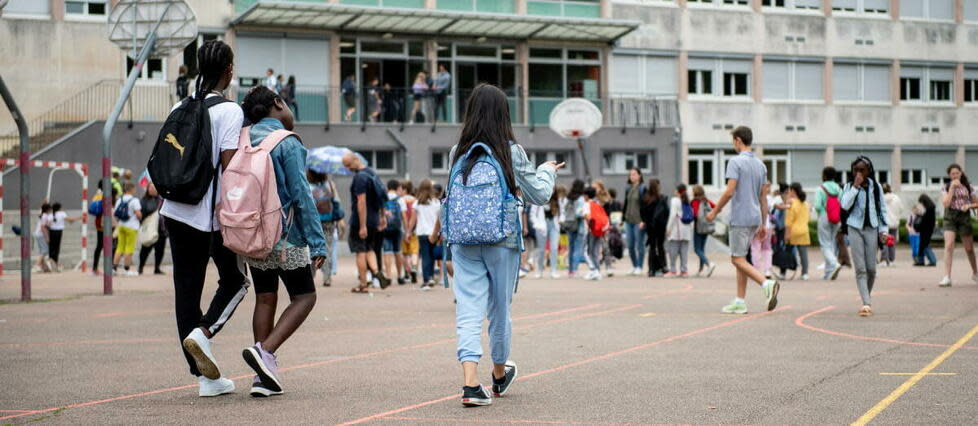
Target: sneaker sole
x: 204, y: 363
x: 734, y: 312
x: 224, y: 392
x: 253, y: 358
x: 773, y: 301
x: 260, y: 392
x: 516, y: 374
x: 476, y: 402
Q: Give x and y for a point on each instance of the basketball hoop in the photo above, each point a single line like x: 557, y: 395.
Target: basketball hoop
x: 575, y: 118
x: 132, y: 21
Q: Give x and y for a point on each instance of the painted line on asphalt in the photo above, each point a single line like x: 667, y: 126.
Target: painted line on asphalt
x: 315, y: 364
x: 800, y: 321
x: 902, y: 389
x: 17, y: 411
x: 510, y: 421
x: 911, y: 374
x: 647, y: 314
x: 684, y: 289
x: 575, y: 364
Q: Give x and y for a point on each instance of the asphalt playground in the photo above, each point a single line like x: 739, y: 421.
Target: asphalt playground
x: 625, y: 350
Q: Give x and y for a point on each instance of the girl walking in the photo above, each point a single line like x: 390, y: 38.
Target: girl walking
x: 923, y: 225
x: 330, y: 212
x: 486, y: 274
x: 574, y: 226
x: 703, y: 228
x: 958, y: 197
x: 634, y: 226
x: 863, y: 199
x: 426, y: 209
x: 301, y: 249
x: 796, y: 225
x: 42, y: 236
x: 150, y: 204
x: 655, y: 216
x: 679, y: 230
x: 57, y: 229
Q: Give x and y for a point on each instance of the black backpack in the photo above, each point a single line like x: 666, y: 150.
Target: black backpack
x: 181, y: 165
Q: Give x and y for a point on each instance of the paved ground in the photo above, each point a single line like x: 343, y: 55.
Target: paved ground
x: 623, y: 350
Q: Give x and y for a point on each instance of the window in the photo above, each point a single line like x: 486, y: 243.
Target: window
x: 778, y: 166
x: 620, y: 162
x: 793, y: 4
x: 913, y: 177
x: 85, y: 8
x: 27, y: 7
x: 701, y: 168
x: 643, y: 75
x: 439, y: 162
x: 861, y: 82
x: 882, y: 176
x: 554, y: 77
x: 734, y: 76
x: 927, y: 9
x: 721, y: 2
x: 381, y: 161
x: 862, y: 6
x: 154, y: 69
x: 540, y: 157
x: 970, y: 85
x: 793, y: 80
x: 926, y: 83
x: 971, y: 10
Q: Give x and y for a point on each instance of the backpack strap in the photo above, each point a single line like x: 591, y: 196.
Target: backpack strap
x: 273, y: 139
x: 213, y: 100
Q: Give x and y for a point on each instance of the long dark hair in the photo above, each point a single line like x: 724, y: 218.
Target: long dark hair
x: 258, y: 103
x: 628, y: 180
x: 576, y: 191
x: 213, y: 59
x: 799, y: 191
x: 964, y: 177
x: 926, y: 201
x: 683, y: 194
x: 869, y: 165
x: 487, y: 121
x: 652, y: 192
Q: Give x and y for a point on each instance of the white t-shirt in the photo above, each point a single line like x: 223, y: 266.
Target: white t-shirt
x: 58, y: 221
x: 45, y: 221
x: 427, y: 216
x: 226, y: 120
x: 134, y: 206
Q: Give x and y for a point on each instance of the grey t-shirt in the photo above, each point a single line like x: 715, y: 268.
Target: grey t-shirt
x: 751, y: 175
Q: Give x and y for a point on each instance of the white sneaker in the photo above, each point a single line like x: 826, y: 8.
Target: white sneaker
x: 974, y: 278
x: 216, y: 387
x: 554, y: 275
x: 593, y: 276
x: 132, y: 274
x: 637, y: 271
x: 820, y: 267
x: 538, y: 275
x: 804, y: 277
x: 712, y: 267
x: 945, y: 282
x: 199, y: 348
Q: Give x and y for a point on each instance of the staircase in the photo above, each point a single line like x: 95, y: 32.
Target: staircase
x: 95, y: 102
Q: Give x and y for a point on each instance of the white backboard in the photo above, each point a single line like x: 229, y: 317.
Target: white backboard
x: 131, y: 21
x: 575, y: 118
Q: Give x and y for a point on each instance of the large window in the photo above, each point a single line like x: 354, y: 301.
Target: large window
x: 27, y: 7
x: 913, y: 177
x: 153, y: 70
x: 861, y: 82
x: 620, y: 162
x: 971, y: 85
x: 793, y: 4
x: 383, y: 161
x: 971, y: 10
x: 926, y: 84
x: 643, y: 75
x: 862, y: 6
x: 719, y: 77
x: 702, y: 168
x: 84, y: 8
x: 564, y: 72
x: 784, y: 80
x: 573, y: 8
x: 540, y: 157
x: 778, y: 165
x: 927, y: 9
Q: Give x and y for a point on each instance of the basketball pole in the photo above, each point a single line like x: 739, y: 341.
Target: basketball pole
x: 587, y: 169
x: 25, y: 191
x: 109, y: 204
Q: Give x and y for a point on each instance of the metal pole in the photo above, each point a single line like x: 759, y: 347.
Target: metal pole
x: 25, y: 193
x: 587, y: 169
x: 107, y: 157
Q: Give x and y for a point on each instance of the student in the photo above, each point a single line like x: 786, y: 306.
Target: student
x: 150, y: 203
x: 367, y: 222
x: 288, y: 93
x: 924, y: 225
x: 655, y: 217
x: 195, y: 237
x: 746, y: 187
x: 486, y: 274
x: 529, y: 238
x: 573, y: 224
x: 538, y: 217
x: 443, y: 83
x: 634, y: 202
x: 409, y: 247
x: 42, y: 236
x: 300, y: 251
x: 604, y: 199
x: 678, y: 232
x: 597, y: 224
x: 867, y: 228
x: 894, y: 211
x: 829, y: 215
x: 375, y: 104
x: 702, y: 229
x: 958, y: 198
x: 270, y: 81
x: 349, y: 91
x: 551, y: 241
x: 324, y: 194
x: 614, y: 208
x: 419, y: 90
x: 393, y: 235
x: 183, y: 83
x: 426, y: 209
x: 99, y: 198
x: 796, y: 224
x: 127, y: 214
x: 56, y: 231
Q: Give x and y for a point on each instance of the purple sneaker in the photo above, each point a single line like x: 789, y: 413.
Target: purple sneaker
x: 265, y: 365
x: 258, y: 390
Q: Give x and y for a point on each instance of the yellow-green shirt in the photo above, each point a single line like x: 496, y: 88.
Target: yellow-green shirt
x: 796, y: 223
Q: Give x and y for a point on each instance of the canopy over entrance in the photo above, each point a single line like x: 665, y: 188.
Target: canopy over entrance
x: 337, y: 17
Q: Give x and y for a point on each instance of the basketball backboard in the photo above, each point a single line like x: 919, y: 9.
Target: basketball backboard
x: 131, y: 22
x: 575, y: 118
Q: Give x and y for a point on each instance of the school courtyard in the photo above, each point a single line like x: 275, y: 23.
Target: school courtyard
x: 626, y: 350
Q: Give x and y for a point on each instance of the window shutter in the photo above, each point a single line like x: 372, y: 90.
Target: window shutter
x: 808, y: 81
x: 737, y: 65
x: 877, y: 83
x: 845, y: 82
x: 912, y: 8
x: 660, y: 75
x: 28, y: 7
x: 970, y: 10
x: 626, y: 72
x: 942, y: 9
x: 776, y: 80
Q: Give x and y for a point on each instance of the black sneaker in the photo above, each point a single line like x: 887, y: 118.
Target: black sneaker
x: 500, y: 386
x: 384, y: 281
x: 401, y: 281
x: 475, y: 396
x: 414, y: 278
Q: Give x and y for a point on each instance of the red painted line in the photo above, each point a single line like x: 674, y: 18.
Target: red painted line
x: 517, y: 422
x: 576, y: 364
x: 800, y: 321
x: 17, y: 411
x: 311, y: 364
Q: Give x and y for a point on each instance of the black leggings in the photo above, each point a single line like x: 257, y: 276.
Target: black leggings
x: 160, y: 247
x: 297, y: 281
x: 98, y: 249
x: 657, y: 251
x: 54, y: 251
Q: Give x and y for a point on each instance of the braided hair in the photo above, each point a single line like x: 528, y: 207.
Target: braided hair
x: 213, y: 58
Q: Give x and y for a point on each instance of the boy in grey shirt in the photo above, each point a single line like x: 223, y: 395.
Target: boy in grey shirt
x: 746, y: 186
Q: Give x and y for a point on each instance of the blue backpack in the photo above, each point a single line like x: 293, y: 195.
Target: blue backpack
x: 122, y: 210
x: 393, y: 207
x: 688, y: 216
x: 475, y: 208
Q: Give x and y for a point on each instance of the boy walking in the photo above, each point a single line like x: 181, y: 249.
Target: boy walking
x: 746, y: 187
x: 128, y: 212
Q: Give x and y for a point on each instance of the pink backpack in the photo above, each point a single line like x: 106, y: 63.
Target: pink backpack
x: 250, y: 211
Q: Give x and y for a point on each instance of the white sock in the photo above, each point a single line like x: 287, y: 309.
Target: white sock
x: 739, y: 300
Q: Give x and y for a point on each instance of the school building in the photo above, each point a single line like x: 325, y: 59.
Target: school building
x: 819, y: 81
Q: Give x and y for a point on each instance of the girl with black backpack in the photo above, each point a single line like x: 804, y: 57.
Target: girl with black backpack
x: 866, y: 225
x: 655, y: 216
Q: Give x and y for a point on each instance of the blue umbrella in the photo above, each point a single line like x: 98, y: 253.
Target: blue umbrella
x: 329, y: 160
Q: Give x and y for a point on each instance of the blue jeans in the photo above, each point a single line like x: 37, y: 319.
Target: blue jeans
x: 485, y: 280
x: 575, y: 255
x: 427, y: 251
x: 699, y: 247
x: 636, y: 244
x: 553, y: 238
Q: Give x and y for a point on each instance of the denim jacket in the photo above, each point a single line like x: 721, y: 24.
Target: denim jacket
x: 289, y: 159
x: 537, y: 185
x: 854, y: 200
